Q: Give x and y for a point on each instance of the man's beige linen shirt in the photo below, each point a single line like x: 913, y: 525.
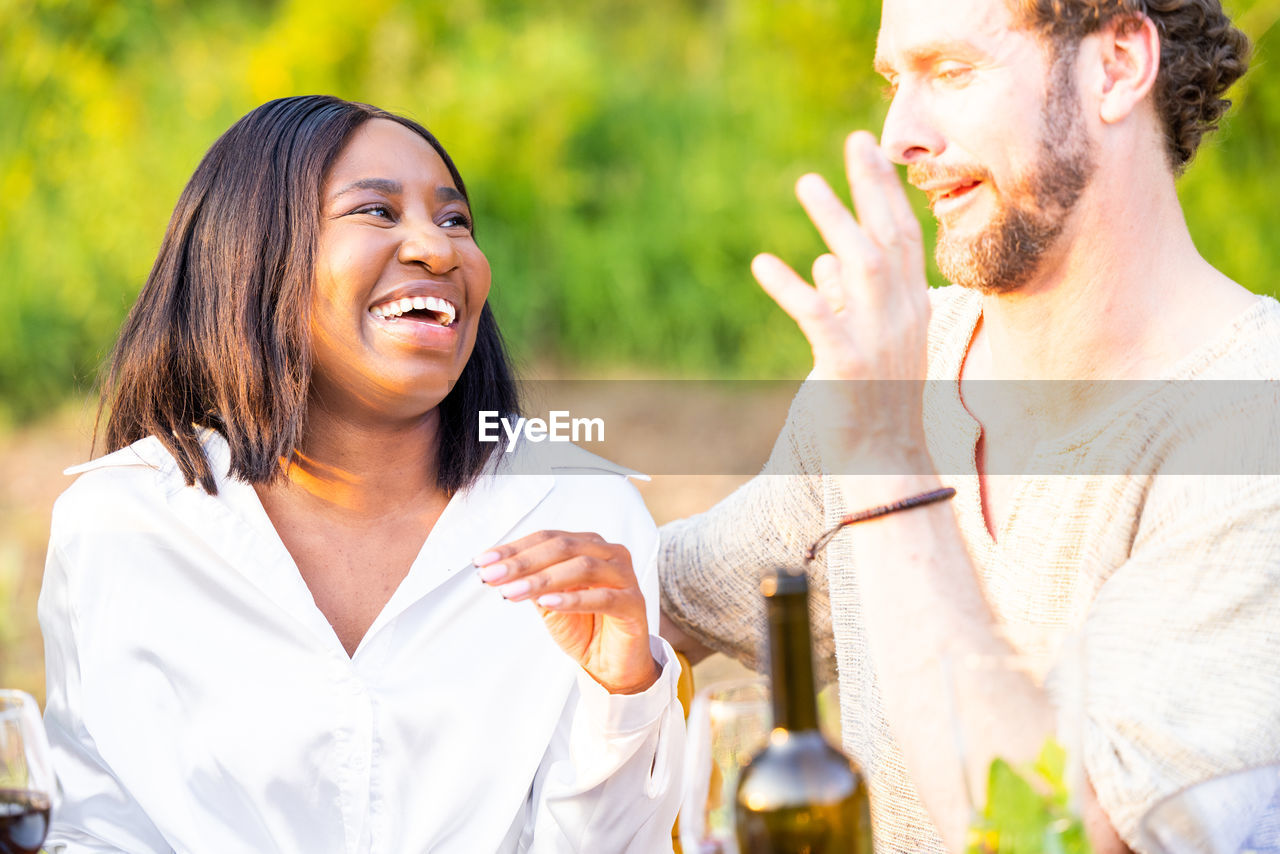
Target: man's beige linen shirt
x: 1153, y: 532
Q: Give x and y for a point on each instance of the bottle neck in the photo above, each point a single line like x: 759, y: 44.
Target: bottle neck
x: 795, y: 702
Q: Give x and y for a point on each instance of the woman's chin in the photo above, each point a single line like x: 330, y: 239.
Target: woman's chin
x: 415, y: 402
x: 393, y: 402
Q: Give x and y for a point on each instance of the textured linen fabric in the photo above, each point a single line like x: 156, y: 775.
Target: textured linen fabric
x: 199, y: 701
x: 1170, y: 579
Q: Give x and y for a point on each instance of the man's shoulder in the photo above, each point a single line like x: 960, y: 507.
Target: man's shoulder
x: 1248, y: 349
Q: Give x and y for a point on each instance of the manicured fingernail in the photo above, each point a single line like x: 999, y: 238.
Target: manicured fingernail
x: 487, y: 557
x: 514, y: 589
x: 493, y: 573
x: 550, y: 600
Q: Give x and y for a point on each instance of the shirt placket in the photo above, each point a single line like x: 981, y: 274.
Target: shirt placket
x: 354, y: 747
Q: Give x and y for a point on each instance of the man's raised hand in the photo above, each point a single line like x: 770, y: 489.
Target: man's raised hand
x: 866, y: 315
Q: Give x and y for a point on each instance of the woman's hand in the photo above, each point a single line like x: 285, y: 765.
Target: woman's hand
x: 589, y: 598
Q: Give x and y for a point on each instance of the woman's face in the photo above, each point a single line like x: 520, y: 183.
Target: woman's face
x: 399, y: 280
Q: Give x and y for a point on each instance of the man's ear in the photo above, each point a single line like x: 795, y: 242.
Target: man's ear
x: 1129, y: 51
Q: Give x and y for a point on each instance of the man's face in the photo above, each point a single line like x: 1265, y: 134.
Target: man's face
x: 990, y: 128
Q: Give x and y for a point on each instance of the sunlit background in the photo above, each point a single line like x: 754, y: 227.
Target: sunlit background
x: 625, y: 161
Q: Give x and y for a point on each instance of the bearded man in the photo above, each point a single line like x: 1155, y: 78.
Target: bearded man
x: 1141, y: 519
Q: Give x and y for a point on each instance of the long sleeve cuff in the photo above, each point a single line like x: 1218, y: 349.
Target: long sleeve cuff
x: 616, y: 714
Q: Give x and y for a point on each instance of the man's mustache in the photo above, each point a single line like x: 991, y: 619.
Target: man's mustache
x: 921, y: 175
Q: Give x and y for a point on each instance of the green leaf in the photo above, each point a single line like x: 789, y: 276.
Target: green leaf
x: 1026, y: 812
x: 1051, y: 767
x: 1015, y: 810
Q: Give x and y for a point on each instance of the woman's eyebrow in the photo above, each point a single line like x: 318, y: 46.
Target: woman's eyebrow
x: 384, y: 185
x: 449, y: 194
x: 395, y: 188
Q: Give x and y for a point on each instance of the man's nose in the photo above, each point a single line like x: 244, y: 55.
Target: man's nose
x: 910, y: 131
x: 429, y: 246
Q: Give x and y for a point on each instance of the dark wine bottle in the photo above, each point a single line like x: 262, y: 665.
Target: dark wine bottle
x: 799, y: 795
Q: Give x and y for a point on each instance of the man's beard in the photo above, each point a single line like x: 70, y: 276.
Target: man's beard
x: 1009, y: 250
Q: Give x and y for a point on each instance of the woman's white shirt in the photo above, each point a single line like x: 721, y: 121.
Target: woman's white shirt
x: 199, y: 701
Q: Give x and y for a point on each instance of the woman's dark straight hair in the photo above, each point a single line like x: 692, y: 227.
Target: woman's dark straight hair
x: 220, y: 335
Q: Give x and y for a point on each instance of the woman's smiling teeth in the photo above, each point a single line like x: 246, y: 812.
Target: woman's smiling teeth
x: 437, y: 310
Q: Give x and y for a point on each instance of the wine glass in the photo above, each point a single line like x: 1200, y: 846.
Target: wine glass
x: 1237, y: 813
x: 27, y: 785
x: 728, y: 723
x: 1028, y: 799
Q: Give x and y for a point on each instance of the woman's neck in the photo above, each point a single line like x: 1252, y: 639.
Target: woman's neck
x: 364, y: 470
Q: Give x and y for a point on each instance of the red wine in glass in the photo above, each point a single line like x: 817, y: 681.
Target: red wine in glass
x: 24, y: 820
x: 28, y: 787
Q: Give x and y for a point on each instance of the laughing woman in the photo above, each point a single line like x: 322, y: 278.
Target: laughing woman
x: 264, y: 624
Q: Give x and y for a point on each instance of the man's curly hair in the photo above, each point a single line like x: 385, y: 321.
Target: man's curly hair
x: 1201, y: 55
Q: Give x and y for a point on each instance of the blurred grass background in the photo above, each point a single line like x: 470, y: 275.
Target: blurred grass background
x: 625, y: 159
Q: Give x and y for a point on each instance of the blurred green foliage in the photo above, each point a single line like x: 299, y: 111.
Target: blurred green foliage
x: 626, y: 159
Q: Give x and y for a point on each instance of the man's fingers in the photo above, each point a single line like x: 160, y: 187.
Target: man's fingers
x: 863, y: 263
x: 867, y: 172
x: 829, y: 215
x: 895, y: 196
x: 793, y: 294
x: 826, y: 277
x: 809, y: 309
x: 909, y: 236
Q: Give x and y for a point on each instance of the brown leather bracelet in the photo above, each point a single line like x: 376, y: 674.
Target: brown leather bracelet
x: 875, y: 513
